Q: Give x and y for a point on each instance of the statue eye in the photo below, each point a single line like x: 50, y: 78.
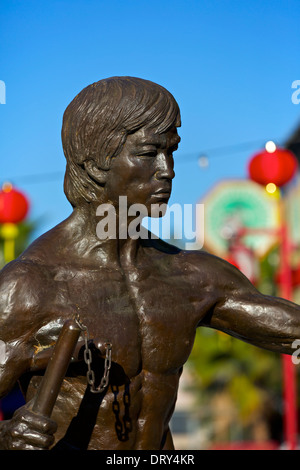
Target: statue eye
x: 151, y: 154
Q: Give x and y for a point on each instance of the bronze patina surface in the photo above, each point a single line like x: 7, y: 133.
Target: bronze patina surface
x: 141, y: 295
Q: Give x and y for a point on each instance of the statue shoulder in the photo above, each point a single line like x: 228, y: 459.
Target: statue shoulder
x: 22, y: 285
x: 215, y: 272
x: 194, y: 261
x: 207, y: 266
x: 200, y: 260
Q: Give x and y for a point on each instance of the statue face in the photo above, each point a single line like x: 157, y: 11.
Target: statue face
x: 143, y: 171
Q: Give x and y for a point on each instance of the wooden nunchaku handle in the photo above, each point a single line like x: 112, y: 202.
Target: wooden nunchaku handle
x: 56, y: 369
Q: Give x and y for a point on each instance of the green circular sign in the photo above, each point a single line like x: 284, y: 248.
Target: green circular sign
x: 236, y: 204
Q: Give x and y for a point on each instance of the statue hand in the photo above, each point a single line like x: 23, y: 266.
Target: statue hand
x: 27, y: 430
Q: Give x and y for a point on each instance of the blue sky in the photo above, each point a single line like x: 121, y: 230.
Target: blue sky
x: 229, y: 63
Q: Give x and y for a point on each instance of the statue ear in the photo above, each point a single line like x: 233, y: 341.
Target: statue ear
x: 96, y: 173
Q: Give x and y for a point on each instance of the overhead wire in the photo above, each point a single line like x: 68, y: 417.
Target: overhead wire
x: 210, y: 153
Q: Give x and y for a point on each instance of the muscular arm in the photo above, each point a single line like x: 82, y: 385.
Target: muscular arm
x: 18, y: 323
x: 243, y: 312
x: 17, y: 312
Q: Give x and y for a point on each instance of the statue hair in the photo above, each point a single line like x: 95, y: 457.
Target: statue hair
x: 99, y: 119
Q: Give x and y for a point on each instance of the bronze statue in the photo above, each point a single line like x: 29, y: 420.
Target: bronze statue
x: 137, y: 300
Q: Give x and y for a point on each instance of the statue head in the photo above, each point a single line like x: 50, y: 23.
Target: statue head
x: 97, y: 122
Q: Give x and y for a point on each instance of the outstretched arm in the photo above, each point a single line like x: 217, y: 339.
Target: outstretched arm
x: 243, y: 312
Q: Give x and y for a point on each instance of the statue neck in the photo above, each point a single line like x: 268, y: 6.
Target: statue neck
x: 102, y: 236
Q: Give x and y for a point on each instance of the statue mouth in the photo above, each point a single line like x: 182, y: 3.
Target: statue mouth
x: 163, y: 192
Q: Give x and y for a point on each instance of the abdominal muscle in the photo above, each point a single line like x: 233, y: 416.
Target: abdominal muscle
x: 125, y: 417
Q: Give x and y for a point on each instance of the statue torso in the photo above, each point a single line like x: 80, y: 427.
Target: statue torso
x: 149, y: 313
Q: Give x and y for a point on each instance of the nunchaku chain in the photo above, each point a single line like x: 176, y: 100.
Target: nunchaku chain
x: 87, y: 355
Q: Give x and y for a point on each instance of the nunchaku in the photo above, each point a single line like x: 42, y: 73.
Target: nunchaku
x: 56, y: 369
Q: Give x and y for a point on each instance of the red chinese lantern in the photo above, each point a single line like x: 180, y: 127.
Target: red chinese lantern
x: 14, y: 205
x: 277, y: 166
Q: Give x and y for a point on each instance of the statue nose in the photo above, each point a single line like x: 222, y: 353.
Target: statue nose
x: 165, y: 167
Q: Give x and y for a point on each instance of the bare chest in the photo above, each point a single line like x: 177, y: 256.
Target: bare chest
x: 149, y: 319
